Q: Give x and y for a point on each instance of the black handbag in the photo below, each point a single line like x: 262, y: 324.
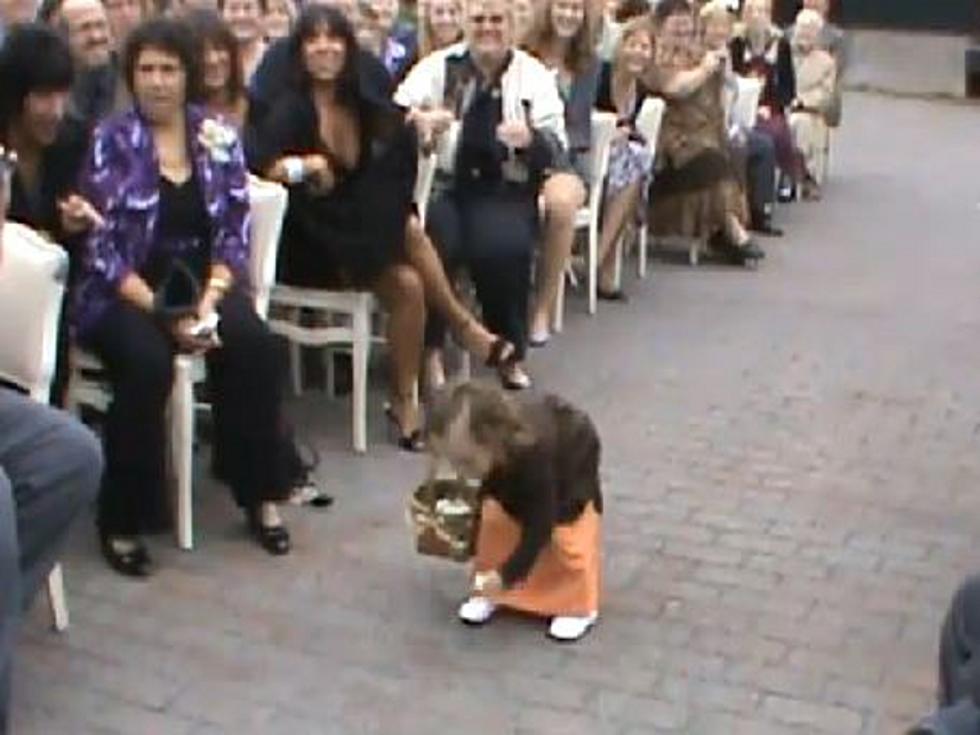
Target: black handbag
x: 177, y: 293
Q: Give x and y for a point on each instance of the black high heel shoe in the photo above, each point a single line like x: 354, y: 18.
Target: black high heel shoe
x: 501, y: 352
x: 274, y: 539
x: 134, y: 563
x: 414, y: 441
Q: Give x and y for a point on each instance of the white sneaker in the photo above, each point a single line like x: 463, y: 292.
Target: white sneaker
x: 476, y: 611
x: 567, y: 628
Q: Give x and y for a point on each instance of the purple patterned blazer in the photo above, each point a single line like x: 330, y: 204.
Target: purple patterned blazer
x: 121, y: 178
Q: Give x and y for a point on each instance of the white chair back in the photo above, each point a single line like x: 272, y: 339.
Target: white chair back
x: 603, y: 130
x: 268, y: 202
x: 33, y: 273
x: 423, y: 183
x: 746, y: 107
x: 649, y: 118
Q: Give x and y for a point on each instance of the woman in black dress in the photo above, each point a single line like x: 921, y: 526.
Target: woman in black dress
x: 350, y: 160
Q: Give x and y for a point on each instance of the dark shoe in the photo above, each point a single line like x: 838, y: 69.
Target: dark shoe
x: 748, y: 254
x: 411, y: 442
x: 616, y: 294
x: 762, y: 223
x: 512, y: 380
x: 786, y: 194
x: 274, y: 539
x: 135, y: 563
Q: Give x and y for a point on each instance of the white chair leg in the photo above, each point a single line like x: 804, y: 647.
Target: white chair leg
x: 694, y: 252
x: 182, y: 448
x: 361, y: 353
x: 593, y: 266
x: 558, y: 315
x: 57, y: 599
x: 330, y: 368
x: 620, y: 247
x: 641, y: 263
x: 465, y: 366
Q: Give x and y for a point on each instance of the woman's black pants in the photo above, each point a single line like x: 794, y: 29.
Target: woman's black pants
x: 251, y: 444
x: 492, y: 234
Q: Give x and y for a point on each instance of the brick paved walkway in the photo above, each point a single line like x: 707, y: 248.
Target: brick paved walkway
x: 791, y: 469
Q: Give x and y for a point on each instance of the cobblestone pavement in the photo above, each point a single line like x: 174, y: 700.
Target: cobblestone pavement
x: 791, y: 471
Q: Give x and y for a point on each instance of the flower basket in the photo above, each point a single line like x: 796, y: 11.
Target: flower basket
x: 445, y: 515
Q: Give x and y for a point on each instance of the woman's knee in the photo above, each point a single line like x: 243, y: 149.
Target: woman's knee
x: 564, y: 194
x: 401, y: 288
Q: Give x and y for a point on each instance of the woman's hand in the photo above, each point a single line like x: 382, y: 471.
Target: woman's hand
x: 183, y: 331
x: 317, y: 173
x: 78, y: 215
x: 487, y: 583
x: 514, y: 134
x: 764, y: 113
x: 430, y: 124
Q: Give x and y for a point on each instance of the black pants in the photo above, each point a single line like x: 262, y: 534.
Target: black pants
x: 959, y: 646
x: 252, y: 449
x: 756, y: 159
x: 492, y: 234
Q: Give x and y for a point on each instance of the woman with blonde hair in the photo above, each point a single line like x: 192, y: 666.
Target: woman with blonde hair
x: 538, y: 543
x: 816, y: 82
x: 622, y: 91
x: 564, y: 40
x: 440, y: 25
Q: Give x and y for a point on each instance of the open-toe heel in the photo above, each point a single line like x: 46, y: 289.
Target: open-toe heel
x: 413, y: 441
x: 501, y: 353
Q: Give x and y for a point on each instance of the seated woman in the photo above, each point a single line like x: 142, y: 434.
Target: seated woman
x: 563, y: 39
x: 349, y: 160
x: 695, y: 191
x: 621, y: 90
x: 223, y: 84
x: 176, y: 215
x: 816, y: 82
x: 35, y: 84
x: 279, y: 18
x: 538, y: 543
x: 440, y: 25
x: 509, y: 117
x: 763, y: 52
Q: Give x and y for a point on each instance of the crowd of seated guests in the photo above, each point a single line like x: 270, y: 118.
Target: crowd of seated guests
x: 136, y: 126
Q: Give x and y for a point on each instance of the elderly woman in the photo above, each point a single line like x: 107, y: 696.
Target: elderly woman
x: 695, y: 192
x: 510, y: 123
x: 349, y: 159
x: 762, y: 51
x: 168, y: 272
x: 538, y: 543
x: 621, y: 91
x: 816, y: 81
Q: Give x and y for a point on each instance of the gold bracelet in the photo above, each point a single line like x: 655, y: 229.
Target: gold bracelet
x: 219, y: 284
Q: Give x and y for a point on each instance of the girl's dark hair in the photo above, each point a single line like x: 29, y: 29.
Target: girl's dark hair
x: 314, y: 19
x: 667, y: 8
x: 212, y: 30
x: 33, y: 58
x: 172, y: 36
x: 629, y: 9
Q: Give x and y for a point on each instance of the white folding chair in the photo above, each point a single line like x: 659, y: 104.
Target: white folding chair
x: 354, y: 308
x: 588, y: 216
x: 648, y: 122
x: 32, y: 285
x: 87, y: 387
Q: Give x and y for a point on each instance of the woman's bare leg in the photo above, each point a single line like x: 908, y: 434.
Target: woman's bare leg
x: 401, y: 294
x: 619, y: 208
x: 563, y: 193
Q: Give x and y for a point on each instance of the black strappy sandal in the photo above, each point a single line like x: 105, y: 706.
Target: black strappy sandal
x: 501, y: 352
x: 411, y: 442
x: 274, y: 539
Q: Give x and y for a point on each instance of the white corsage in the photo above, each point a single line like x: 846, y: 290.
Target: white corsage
x: 218, y: 139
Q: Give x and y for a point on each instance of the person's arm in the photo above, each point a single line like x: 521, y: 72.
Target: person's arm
x: 231, y: 242
x: 785, y: 75
x: 818, y: 96
x: 104, y: 262
x: 681, y: 84
x: 536, y: 482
